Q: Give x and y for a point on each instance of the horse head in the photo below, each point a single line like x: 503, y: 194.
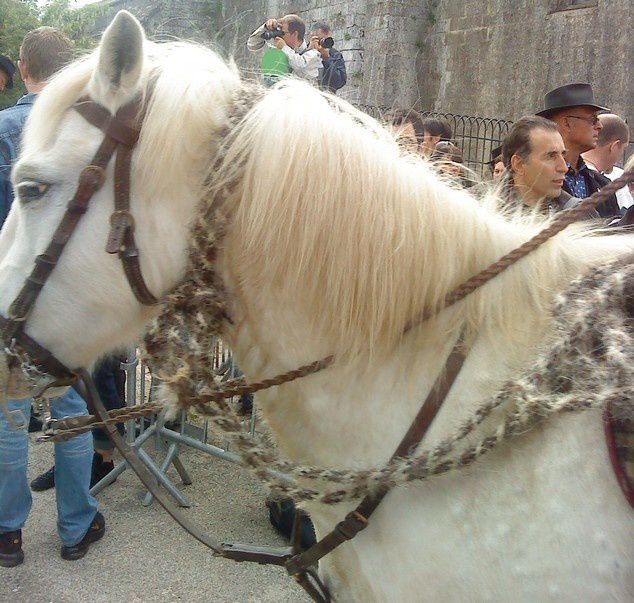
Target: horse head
x: 87, y: 306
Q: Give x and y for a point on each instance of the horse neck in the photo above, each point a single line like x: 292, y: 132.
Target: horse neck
x: 277, y: 331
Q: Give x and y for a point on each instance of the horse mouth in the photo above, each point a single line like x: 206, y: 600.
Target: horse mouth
x: 15, y: 384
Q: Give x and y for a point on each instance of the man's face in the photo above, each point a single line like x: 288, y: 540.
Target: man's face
x: 429, y: 143
x: 291, y: 38
x: 406, y: 136
x: 320, y: 33
x: 583, y: 128
x: 498, y: 169
x: 544, y: 169
x: 4, y: 79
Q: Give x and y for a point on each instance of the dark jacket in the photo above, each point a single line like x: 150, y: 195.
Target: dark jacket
x: 595, y: 181
x: 11, y: 125
x: 566, y: 201
x: 333, y: 76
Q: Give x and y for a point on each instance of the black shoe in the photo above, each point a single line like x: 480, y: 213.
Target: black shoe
x: 46, y: 481
x: 94, y: 533
x: 100, y: 469
x: 282, y: 516
x: 35, y: 424
x: 245, y: 405
x: 11, y: 553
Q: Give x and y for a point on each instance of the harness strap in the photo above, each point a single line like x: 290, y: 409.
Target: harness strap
x: 358, y: 520
x: 124, y: 128
x: 121, y: 237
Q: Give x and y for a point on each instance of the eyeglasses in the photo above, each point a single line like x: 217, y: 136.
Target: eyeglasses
x: 593, y: 121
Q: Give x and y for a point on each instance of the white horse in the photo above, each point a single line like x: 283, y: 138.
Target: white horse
x: 335, y: 242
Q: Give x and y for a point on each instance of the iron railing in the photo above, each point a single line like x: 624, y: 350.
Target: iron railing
x: 475, y: 136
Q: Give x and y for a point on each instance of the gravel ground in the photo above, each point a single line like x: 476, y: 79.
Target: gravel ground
x: 145, y: 556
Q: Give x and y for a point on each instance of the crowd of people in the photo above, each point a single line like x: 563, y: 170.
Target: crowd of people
x: 549, y: 161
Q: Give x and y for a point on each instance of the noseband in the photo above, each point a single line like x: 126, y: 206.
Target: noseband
x: 121, y: 133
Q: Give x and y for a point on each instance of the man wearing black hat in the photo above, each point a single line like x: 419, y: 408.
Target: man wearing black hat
x: 573, y: 109
x: 7, y: 69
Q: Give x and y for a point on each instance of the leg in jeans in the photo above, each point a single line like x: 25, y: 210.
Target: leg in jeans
x: 15, y: 495
x: 73, y: 463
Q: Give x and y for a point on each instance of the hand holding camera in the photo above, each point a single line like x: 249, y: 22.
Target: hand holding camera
x: 323, y: 45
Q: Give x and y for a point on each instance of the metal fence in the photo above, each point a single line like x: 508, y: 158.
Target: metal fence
x: 476, y: 136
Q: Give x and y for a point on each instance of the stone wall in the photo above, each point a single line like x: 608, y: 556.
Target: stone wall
x: 498, y: 58
x: 493, y: 58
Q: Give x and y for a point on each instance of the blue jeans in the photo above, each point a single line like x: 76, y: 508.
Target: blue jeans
x: 73, y: 463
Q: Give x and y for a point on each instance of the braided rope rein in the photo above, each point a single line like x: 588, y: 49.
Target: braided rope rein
x: 193, y: 385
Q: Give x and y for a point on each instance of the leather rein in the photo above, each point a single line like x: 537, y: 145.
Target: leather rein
x: 121, y: 133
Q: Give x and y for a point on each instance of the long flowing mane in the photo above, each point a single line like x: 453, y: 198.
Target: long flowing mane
x: 364, y: 239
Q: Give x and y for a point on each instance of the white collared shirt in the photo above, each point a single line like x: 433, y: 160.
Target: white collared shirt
x: 304, y: 63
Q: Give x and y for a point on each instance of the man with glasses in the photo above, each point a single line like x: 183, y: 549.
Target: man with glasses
x: 303, y: 60
x: 573, y: 109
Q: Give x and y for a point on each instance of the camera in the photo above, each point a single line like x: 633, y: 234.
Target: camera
x: 269, y: 34
x: 326, y: 42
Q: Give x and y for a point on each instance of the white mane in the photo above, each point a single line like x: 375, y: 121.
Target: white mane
x: 365, y: 262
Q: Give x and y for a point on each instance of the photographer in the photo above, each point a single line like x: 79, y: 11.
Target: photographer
x: 333, y: 75
x: 287, y: 34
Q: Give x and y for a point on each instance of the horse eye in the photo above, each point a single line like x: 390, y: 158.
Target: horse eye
x: 31, y: 191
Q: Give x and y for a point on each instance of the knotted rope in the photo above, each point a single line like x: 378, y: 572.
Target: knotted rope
x: 178, y: 345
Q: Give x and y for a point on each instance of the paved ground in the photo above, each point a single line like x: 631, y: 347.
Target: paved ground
x: 145, y: 556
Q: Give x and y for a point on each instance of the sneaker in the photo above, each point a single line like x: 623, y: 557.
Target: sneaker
x: 95, y: 532
x: 11, y: 553
x: 245, y: 405
x: 100, y: 469
x: 46, y: 481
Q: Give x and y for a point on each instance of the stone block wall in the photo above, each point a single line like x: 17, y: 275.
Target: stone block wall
x: 493, y: 58
x: 498, y: 58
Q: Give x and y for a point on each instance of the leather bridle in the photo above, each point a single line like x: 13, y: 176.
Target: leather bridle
x: 121, y: 134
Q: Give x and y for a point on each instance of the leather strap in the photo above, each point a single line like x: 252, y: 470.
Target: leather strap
x: 259, y: 554
x: 124, y: 128
x: 358, y: 520
x: 121, y: 237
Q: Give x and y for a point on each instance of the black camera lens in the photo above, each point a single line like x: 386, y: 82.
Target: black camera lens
x: 269, y: 34
x: 326, y: 42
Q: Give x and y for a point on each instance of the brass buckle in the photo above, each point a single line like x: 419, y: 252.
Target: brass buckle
x: 125, y: 216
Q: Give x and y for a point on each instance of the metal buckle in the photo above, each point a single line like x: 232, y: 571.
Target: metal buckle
x: 121, y: 222
x: 123, y: 215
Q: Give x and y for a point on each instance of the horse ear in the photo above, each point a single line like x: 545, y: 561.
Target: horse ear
x: 121, y: 54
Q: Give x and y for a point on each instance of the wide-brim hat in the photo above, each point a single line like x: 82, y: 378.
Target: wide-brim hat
x: 570, y: 95
x: 9, y: 68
